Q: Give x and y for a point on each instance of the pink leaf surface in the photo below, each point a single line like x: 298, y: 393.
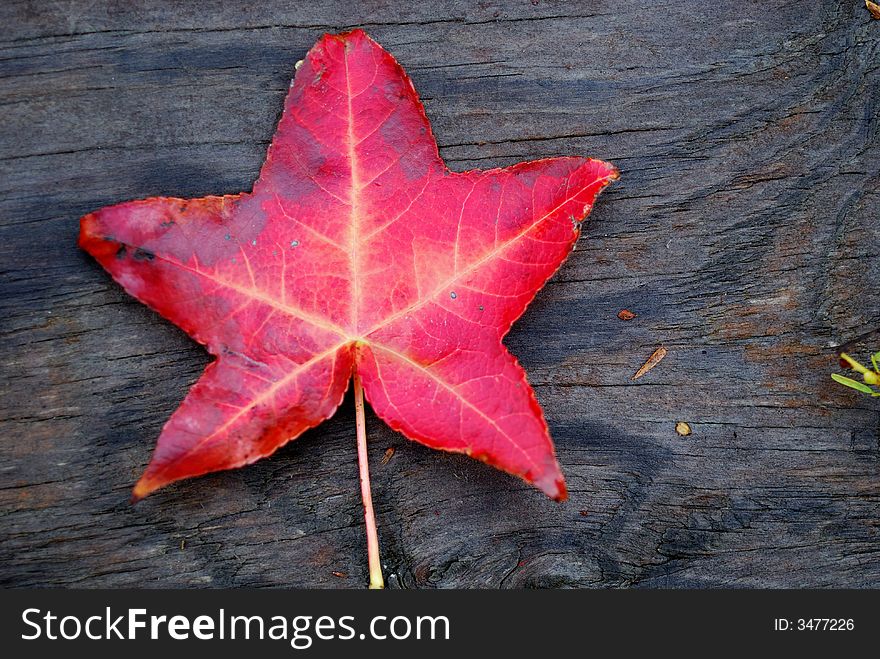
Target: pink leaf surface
x: 356, y: 249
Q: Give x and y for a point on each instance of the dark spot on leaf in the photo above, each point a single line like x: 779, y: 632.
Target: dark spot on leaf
x: 453, y: 295
x: 120, y: 253
x: 481, y: 307
x: 294, y: 243
x: 227, y: 237
x: 141, y: 254
x: 167, y: 223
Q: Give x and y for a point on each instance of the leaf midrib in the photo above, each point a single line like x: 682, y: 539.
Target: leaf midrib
x: 354, y: 201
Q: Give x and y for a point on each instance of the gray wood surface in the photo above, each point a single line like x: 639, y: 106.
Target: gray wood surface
x: 744, y: 233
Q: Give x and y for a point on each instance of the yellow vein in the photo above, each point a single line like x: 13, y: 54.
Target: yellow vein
x: 387, y: 224
x: 256, y: 294
x: 317, y: 234
x: 266, y: 395
x: 453, y: 390
x: 482, y: 261
x: 354, y: 217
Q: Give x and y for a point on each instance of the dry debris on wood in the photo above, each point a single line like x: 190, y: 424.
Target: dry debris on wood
x: 655, y: 358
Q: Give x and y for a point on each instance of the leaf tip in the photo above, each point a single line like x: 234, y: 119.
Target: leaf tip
x: 553, y: 485
x: 143, y: 488
x: 86, y: 230
x: 561, y: 491
x: 613, y: 172
x: 350, y: 36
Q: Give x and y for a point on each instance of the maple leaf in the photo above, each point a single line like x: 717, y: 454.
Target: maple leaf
x: 356, y: 253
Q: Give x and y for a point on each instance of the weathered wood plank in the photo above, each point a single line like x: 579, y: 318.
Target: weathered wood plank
x: 743, y: 232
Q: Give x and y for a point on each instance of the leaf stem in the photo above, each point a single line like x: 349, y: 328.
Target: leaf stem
x: 869, y: 376
x: 376, y: 580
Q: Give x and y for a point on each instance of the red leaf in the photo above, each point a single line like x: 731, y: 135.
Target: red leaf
x: 356, y: 249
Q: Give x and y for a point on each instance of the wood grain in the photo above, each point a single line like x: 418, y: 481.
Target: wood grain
x: 744, y: 234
